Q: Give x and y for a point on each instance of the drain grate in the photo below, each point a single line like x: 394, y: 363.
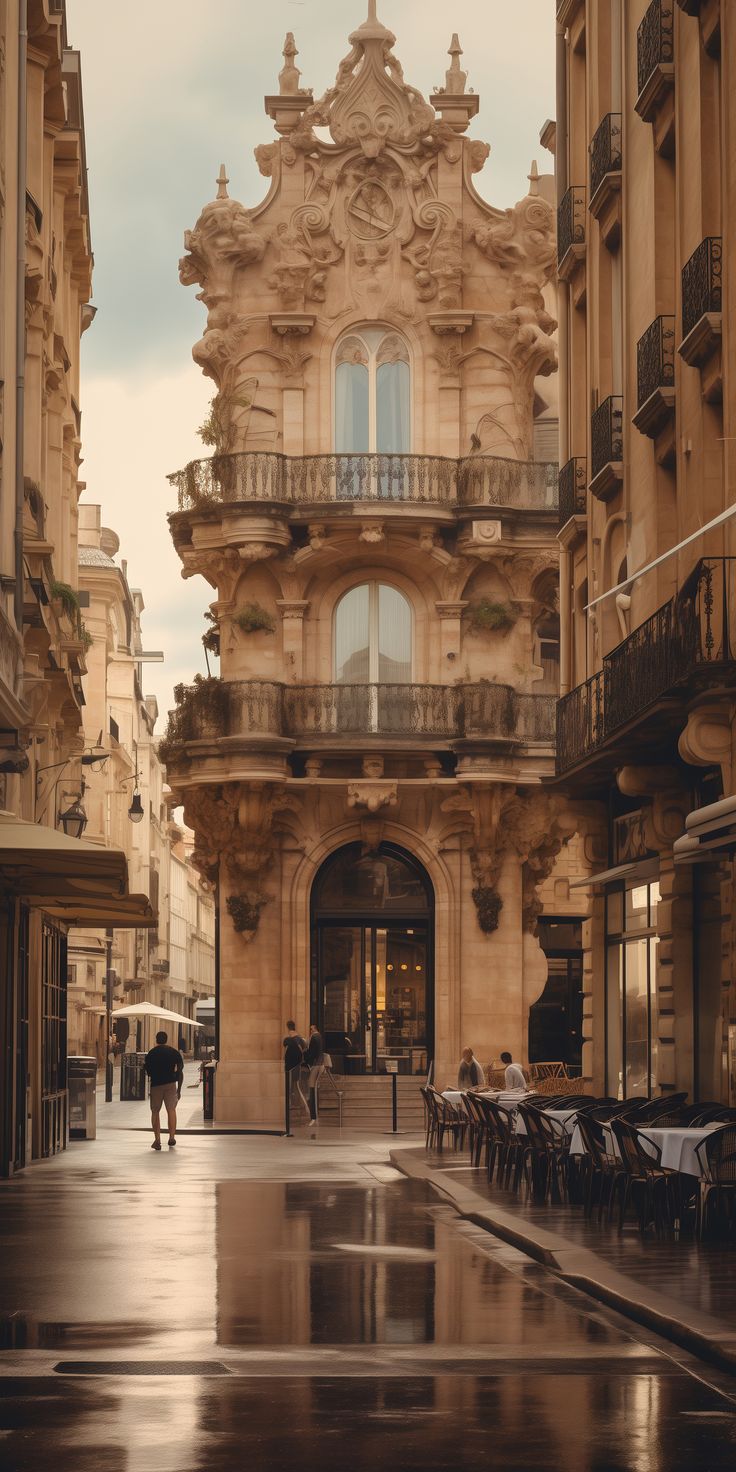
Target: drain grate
x: 141, y: 1367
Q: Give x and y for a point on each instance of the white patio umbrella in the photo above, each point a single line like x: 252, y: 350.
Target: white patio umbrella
x: 147, y: 1009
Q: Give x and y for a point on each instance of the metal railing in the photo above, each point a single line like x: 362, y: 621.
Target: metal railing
x: 607, y: 434
x: 655, y: 40
x: 701, y: 282
x: 476, y: 480
x: 655, y: 359
x: 570, y: 220
x: 216, y: 708
x: 693, y: 634
x: 605, y: 150
x: 573, y: 489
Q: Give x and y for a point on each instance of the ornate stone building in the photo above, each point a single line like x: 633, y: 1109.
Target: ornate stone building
x: 645, y: 141
x: 364, y: 776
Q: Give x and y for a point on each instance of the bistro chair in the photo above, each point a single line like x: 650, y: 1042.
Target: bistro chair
x: 450, y: 1120
x: 476, y: 1127
x: 430, y: 1117
x: 650, y: 1111
x: 505, y: 1149
x: 717, y: 1156
x: 643, y: 1180
x: 595, y: 1168
x: 544, y: 1154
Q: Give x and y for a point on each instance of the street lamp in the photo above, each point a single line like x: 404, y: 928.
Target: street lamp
x: 135, y: 811
x: 74, y: 819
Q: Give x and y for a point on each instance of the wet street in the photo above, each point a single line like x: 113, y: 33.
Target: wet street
x: 259, y: 1303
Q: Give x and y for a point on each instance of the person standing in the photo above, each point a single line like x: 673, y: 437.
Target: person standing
x: 514, y: 1075
x: 165, y: 1069
x: 294, y: 1049
x: 315, y: 1061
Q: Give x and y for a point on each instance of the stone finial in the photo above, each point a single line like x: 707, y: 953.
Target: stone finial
x: 455, y: 78
x: 289, y: 74
x: 533, y: 177
x: 222, y: 183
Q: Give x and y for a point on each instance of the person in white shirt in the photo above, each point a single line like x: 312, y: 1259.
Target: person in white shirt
x: 514, y: 1075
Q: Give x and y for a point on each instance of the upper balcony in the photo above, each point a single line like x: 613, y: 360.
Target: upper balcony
x: 573, y: 489
x: 319, y: 716
x: 571, y: 221
x: 688, y: 645
x: 606, y: 161
x: 655, y: 53
x: 655, y: 377
x: 702, y: 300
x: 607, y: 447
x: 306, y: 481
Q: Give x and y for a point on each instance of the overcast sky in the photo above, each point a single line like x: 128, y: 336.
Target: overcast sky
x: 173, y: 88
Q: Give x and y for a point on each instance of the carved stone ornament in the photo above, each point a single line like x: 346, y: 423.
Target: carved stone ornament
x: 233, y: 836
x: 223, y: 240
x: 372, y: 795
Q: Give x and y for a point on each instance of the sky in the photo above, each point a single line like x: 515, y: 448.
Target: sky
x: 172, y: 89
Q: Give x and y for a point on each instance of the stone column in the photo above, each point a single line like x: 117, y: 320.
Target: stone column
x: 292, y: 612
x: 450, y: 616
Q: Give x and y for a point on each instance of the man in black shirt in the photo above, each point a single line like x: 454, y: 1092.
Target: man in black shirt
x: 165, y: 1069
x: 294, y: 1050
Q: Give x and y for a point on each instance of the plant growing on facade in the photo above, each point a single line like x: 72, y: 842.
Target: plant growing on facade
x: 211, y: 635
x: 64, y: 594
x: 487, y: 615
x: 252, y: 619
x: 85, y: 635
x: 200, y: 710
x: 489, y: 905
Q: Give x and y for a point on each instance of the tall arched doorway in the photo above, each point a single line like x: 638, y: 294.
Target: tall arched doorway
x: 372, y: 919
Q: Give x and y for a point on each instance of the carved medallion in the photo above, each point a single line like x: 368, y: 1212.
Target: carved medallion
x: 370, y: 211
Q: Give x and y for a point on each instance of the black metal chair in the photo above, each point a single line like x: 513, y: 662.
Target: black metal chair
x: 644, y: 1180
x: 717, y: 1156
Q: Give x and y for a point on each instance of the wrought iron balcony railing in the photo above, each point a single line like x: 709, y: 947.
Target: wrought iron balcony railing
x: 701, y: 283
x: 570, y: 221
x: 478, y: 480
x: 655, y: 358
x: 605, y: 150
x: 211, y: 709
x: 655, y: 40
x: 692, y: 636
x: 607, y: 434
x: 573, y: 489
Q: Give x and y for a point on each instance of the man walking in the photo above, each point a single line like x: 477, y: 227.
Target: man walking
x: 165, y: 1069
x: 315, y: 1061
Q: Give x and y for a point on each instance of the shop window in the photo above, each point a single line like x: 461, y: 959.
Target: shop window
x: 631, y: 989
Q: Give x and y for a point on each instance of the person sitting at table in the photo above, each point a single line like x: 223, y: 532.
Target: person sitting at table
x: 470, y: 1074
x: 514, y: 1075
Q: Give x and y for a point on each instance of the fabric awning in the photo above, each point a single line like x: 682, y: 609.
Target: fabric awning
x: 78, y: 882
x: 710, y: 833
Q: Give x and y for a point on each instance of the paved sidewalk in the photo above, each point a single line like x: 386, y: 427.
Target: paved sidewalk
x: 135, y: 1114
x: 685, y: 1291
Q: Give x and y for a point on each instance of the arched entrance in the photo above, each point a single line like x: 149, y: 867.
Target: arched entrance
x: 372, y: 932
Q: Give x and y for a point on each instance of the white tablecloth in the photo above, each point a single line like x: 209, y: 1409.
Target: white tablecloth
x: 562, y: 1119
x: 507, y: 1099
x: 676, y: 1143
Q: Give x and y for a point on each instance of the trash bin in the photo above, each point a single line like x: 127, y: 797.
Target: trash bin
x: 208, y: 1090
x: 82, y: 1082
x: 133, y: 1076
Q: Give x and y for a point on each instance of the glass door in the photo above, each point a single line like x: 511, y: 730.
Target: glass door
x: 373, y: 996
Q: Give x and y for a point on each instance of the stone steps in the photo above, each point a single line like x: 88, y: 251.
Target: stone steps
x: 366, y: 1102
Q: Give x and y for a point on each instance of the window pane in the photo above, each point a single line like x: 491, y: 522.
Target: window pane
x: 392, y: 409
x: 637, y: 913
x: 654, y: 1014
x: 614, y: 1079
x: 352, y: 638
x: 351, y: 409
x: 636, y: 1073
x: 614, y: 911
x: 394, y: 637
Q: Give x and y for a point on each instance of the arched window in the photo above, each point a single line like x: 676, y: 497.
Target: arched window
x: 372, y: 393
x: 373, y: 637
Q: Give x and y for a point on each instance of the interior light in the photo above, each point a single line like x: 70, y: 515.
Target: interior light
x: 390, y: 966
x: 404, y: 966
x: 417, y: 967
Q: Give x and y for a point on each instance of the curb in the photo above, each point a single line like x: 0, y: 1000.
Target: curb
x: 707, y: 1338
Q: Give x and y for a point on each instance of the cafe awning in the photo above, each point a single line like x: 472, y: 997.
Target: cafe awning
x: 149, y: 1009
x: 75, y: 881
x: 710, y: 834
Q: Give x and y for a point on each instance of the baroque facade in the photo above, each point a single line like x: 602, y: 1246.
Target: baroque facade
x: 364, y: 777
x: 645, y: 139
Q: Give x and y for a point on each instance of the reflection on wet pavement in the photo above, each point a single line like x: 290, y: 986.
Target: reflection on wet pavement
x: 272, y: 1322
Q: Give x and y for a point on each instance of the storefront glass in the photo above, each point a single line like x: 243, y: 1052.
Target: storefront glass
x: 631, y: 959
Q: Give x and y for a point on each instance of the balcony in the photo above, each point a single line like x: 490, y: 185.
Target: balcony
x: 655, y: 51
x: 323, y: 714
x: 686, y: 646
x: 605, y: 178
x: 607, y: 448
x: 701, y: 314
x: 313, y: 480
x: 571, y: 231
x: 655, y: 377
x: 573, y: 489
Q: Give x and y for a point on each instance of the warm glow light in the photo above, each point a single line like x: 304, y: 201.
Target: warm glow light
x: 417, y: 967
x: 404, y: 966
x: 390, y: 966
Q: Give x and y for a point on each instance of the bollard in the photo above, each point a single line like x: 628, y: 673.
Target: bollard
x: 287, y: 1102
x: 392, y: 1067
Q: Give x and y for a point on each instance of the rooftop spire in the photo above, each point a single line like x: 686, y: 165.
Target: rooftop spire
x: 533, y: 177
x: 455, y: 78
x: 222, y: 183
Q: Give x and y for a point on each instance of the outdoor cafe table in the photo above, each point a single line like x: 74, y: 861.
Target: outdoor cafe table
x: 677, y: 1143
x: 561, y: 1119
x: 505, y: 1097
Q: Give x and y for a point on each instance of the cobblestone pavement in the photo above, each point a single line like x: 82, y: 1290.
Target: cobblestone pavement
x: 260, y: 1302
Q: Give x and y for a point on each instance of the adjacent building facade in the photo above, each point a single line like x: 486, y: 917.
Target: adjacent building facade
x: 645, y: 143
x: 364, y: 777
